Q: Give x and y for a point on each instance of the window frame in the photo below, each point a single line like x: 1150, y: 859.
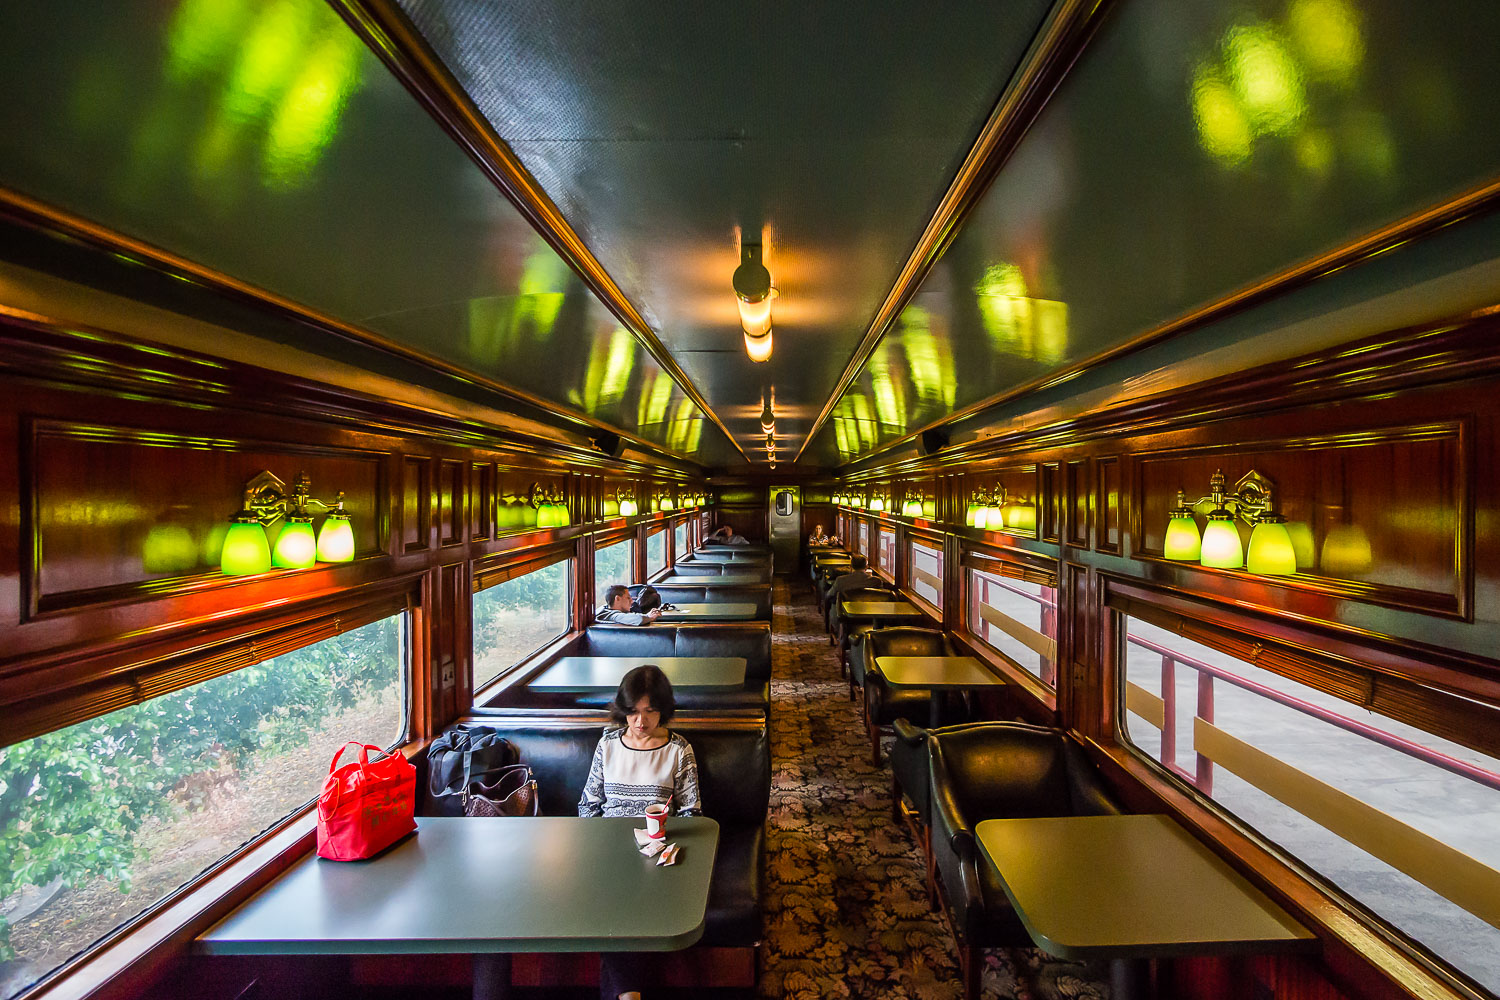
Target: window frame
x: 503, y: 567
x: 650, y: 530
x: 882, y: 530
x: 129, y: 958
x: 928, y: 541
x: 989, y: 558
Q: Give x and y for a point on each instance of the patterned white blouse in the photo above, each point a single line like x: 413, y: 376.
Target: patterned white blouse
x: 623, y: 781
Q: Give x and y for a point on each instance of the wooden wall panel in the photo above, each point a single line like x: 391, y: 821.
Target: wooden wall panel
x: 117, y: 511
x: 1049, y: 516
x: 1078, y: 504
x: 416, y: 504
x: 1107, y: 527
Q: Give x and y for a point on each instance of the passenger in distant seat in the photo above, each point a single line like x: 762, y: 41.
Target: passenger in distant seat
x: 726, y: 534
x: 639, y: 764
x: 855, y: 579
x: 818, y: 538
x: 616, y: 608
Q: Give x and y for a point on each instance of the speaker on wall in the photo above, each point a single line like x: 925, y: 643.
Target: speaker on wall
x: 608, y: 442
x: 931, y: 441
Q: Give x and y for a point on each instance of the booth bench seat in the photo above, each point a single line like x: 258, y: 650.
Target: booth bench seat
x: 687, y: 593
x: 748, y: 640
x: 734, y: 776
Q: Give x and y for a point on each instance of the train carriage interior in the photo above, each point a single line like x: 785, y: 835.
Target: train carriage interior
x: 1046, y: 445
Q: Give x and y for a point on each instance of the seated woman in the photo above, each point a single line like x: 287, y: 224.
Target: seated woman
x: 639, y: 764
x: 817, y: 537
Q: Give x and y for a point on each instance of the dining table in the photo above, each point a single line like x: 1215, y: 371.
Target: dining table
x: 603, y: 673
x: 715, y: 580
x: 937, y: 674
x: 487, y: 887
x: 879, y: 612
x: 727, y: 611
x: 1130, y: 889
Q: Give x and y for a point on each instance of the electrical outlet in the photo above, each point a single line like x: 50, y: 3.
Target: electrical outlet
x: 447, y: 675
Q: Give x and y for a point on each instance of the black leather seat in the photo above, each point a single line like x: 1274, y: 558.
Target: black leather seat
x: 885, y: 704
x: 750, y: 640
x: 734, y: 776
x: 997, y: 771
x: 845, y: 633
x: 911, y: 783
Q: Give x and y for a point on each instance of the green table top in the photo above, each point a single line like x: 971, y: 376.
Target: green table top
x: 1137, y: 886
x: 478, y: 886
x: 596, y: 673
x: 708, y: 612
x: 878, y: 609
x: 935, y: 672
x: 749, y: 558
x: 832, y: 555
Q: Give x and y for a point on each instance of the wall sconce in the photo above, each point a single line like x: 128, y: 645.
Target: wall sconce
x: 1272, y: 551
x: 628, y: 506
x: 667, y: 503
x: 753, y: 292
x: 550, y: 506
x: 247, y: 550
x: 999, y: 511
x: 912, y: 507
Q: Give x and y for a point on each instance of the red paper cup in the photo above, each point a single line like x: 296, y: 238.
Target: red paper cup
x: 656, y: 822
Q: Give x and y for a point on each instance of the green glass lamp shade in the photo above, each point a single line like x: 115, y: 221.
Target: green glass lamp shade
x: 1271, y: 551
x: 336, y: 539
x: 994, y: 518
x: 970, y: 513
x: 1221, y: 543
x: 560, y: 516
x: 1346, y: 550
x: 929, y: 508
x: 246, y: 551
x: 611, y: 508
x: 1302, y: 542
x: 1183, y: 541
x: 628, y: 508
x: 296, y: 546
x: 1022, y: 517
x: 530, y: 516
x: 667, y: 504
x: 981, y: 516
x: 877, y: 504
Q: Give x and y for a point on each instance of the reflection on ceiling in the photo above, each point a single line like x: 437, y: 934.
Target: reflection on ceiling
x: 262, y: 139
x: 1194, y: 149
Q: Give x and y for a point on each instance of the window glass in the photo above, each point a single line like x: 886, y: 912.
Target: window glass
x: 614, y: 564
x: 101, y: 820
x: 927, y: 573
x: 656, y: 552
x: 886, y: 563
x: 679, y: 540
x: 1399, y: 819
x: 514, y: 619
x: 864, y: 539
x: 1016, y: 619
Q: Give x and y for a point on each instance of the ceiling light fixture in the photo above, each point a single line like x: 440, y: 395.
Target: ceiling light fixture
x: 753, y: 292
x: 767, y: 418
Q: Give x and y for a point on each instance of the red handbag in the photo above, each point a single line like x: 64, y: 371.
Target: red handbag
x: 365, y: 807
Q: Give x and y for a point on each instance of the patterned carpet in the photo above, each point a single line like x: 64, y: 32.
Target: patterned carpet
x: 846, y: 911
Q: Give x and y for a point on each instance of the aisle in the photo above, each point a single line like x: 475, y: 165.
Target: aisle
x: 846, y: 913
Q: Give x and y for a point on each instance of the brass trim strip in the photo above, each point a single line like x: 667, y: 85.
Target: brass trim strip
x: 39, y: 215
x: 388, y: 32
x: 1145, y: 704
x: 1424, y: 222
x: 1057, y: 45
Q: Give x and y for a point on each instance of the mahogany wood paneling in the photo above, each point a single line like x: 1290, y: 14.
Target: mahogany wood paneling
x: 416, y: 504
x: 1107, y: 527
x: 1077, y: 505
x: 451, y: 493
x: 118, y: 512
x: 1049, y: 514
x: 1388, y: 508
x: 482, y: 507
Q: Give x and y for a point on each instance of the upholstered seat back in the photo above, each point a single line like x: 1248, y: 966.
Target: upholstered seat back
x: 756, y: 594
x: 906, y: 640
x: 750, y: 640
x: 1013, y: 770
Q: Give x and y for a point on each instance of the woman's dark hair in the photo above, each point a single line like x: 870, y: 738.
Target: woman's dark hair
x: 646, y: 599
x: 644, y: 682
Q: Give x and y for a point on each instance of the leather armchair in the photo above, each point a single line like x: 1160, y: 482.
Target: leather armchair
x: 844, y: 632
x: 911, y: 771
x: 884, y: 704
x: 997, y: 771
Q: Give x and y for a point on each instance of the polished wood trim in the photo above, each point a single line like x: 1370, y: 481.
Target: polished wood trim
x: 390, y: 34
x: 59, y: 222
x: 1058, y: 43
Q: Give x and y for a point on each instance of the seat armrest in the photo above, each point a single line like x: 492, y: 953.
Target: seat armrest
x: 912, y: 736
x: 1089, y: 794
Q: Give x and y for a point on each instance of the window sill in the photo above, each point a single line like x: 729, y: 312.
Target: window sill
x: 1016, y: 677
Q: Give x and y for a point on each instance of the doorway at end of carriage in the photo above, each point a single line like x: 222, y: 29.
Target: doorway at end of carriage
x: 786, y: 526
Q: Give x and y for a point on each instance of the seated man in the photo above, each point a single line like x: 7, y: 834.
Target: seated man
x: 817, y: 537
x: 857, y: 578
x: 616, y: 609
x: 726, y: 535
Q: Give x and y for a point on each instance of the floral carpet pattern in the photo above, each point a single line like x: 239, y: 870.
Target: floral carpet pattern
x: 846, y: 909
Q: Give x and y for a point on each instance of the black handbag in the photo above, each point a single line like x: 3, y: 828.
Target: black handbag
x: 509, y: 790
x: 452, y: 761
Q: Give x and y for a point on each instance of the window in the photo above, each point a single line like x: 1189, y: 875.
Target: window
x: 679, y: 540
x: 864, y: 539
x: 927, y: 573
x: 1397, y: 818
x: 515, y: 618
x: 656, y: 552
x: 1016, y: 619
x: 101, y: 820
x: 885, y: 565
x: 613, y: 564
